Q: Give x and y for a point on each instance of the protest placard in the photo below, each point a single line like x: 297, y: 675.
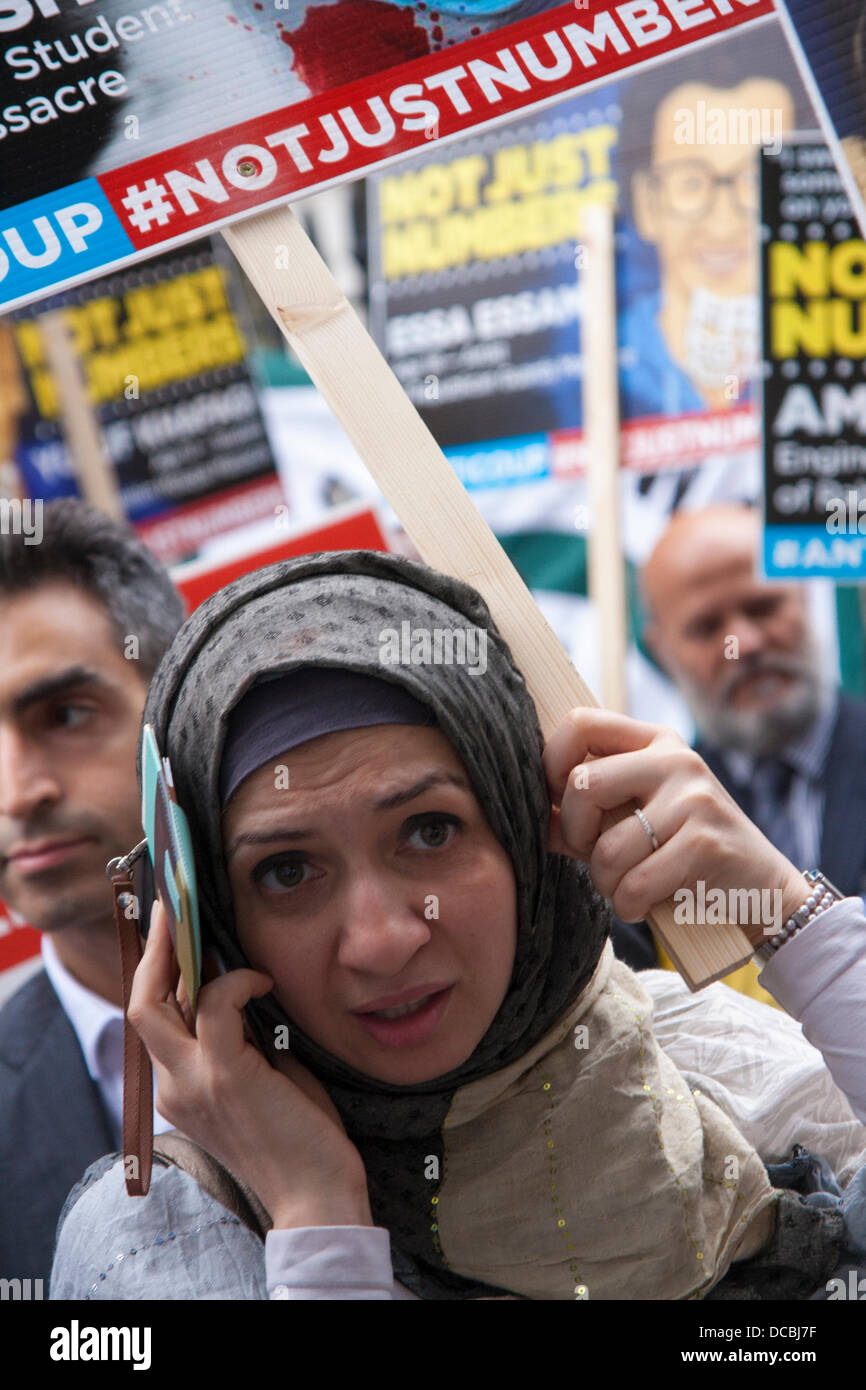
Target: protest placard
x: 828, y: 39
x: 162, y: 352
x: 479, y: 272
x: 129, y: 129
x: 814, y: 275
x: 350, y: 528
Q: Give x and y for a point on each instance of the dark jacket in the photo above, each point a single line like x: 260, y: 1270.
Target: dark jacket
x: 53, y: 1125
x: 843, y: 833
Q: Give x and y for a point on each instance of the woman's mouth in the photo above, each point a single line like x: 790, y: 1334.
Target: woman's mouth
x: 407, y: 1025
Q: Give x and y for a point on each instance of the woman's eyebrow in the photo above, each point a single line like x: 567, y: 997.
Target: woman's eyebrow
x: 273, y: 833
x: 433, y: 779
x: 265, y: 837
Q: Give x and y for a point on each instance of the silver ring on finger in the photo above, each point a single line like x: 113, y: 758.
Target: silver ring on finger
x: 648, y: 828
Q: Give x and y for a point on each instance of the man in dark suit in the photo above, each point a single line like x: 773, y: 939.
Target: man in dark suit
x: 85, y: 615
x: 771, y: 725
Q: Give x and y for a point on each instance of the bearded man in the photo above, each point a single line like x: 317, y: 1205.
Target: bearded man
x: 770, y: 721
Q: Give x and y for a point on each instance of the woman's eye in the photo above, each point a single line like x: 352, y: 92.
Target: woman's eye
x: 433, y: 833
x: 277, y: 875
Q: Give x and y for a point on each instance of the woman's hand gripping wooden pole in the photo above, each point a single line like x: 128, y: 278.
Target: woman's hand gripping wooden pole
x: 596, y: 761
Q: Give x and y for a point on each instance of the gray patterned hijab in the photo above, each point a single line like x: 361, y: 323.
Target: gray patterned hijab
x: 331, y: 610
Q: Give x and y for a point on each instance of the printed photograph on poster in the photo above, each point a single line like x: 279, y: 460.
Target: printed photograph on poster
x: 123, y: 129
x: 814, y: 268
x: 828, y: 38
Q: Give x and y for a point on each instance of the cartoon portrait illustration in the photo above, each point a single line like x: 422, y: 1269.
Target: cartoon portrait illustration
x: 689, y: 137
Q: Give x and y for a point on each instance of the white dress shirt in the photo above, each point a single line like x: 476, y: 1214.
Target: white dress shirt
x: 98, y: 1026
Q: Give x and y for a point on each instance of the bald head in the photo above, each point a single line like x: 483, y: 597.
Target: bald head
x: 739, y: 648
x: 696, y: 550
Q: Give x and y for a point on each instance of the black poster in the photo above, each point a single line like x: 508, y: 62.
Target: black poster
x: 814, y: 334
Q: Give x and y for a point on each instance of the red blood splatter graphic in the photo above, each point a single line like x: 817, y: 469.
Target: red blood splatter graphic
x: 337, y: 44
x: 437, y: 32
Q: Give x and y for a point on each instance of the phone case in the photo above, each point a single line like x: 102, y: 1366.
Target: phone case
x: 170, y: 848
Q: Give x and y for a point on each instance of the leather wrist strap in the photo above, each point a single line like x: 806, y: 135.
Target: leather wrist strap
x: 137, y: 1072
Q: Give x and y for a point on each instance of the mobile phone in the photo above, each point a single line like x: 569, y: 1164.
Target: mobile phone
x: 170, y: 848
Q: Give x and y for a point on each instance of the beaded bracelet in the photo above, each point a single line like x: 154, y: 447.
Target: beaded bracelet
x: 824, y: 896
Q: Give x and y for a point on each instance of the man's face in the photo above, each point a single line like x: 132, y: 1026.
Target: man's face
x: 740, y: 649
x: 704, y: 232
x: 70, y: 708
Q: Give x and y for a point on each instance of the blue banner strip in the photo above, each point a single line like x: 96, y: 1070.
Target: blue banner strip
x: 813, y: 552
x: 56, y: 238
x: 502, y: 462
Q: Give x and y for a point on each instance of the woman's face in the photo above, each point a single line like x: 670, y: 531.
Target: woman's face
x: 368, y: 884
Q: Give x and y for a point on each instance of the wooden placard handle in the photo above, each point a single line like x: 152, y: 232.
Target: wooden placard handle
x: 600, y: 397
x: 78, y: 419
x: 412, y: 472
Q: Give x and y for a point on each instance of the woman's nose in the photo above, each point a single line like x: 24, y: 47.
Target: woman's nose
x: 382, y: 926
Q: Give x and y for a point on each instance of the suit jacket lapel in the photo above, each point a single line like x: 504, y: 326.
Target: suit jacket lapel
x: 843, y: 837
x: 54, y: 1126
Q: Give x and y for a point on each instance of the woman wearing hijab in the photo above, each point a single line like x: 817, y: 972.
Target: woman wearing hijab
x: 473, y: 1104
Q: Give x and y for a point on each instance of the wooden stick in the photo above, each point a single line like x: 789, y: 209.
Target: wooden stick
x: 606, y: 565
x: 13, y: 403
x: 438, y: 515
x: 80, y: 422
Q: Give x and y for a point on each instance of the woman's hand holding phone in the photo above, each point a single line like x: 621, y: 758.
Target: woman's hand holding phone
x: 274, y: 1127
